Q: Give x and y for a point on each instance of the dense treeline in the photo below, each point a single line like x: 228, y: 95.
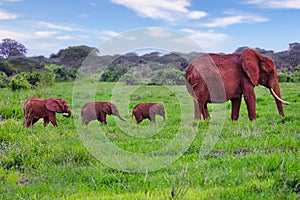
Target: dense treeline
x: 18, y: 71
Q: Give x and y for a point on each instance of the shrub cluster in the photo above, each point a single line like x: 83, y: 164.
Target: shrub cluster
x: 288, y: 77
x: 168, y: 77
x: 27, y: 80
x: 13, y: 111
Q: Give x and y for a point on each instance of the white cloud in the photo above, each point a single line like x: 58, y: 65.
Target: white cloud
x: 169, y: 10
x: 83, y: 15
x: 209, y: 35
x: 43, y: 48
x: 3, y: 1
x: 112, y: 35
x: 65, y: 37
x: 9, y: 1
x: 58, y: 27
x: 196, y: 14
x: 208, y: 41
x: 276, y: 4
x: 235, y: 19
x: 14, y: 35
x: 158, y: 32
x: 72, y: 37
x: 45, y: 33
x: 6, y: 15
x: 93, y: 4
x: 108, y: 33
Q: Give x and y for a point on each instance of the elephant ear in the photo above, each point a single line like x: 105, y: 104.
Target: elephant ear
x: 250, y: 60
x: 106, y: 108
x: 53, y: 104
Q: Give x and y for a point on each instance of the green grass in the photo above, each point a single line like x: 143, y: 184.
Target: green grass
x: 215, y: 159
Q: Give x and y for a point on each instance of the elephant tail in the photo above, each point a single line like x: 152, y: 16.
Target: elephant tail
x: 132, y: 114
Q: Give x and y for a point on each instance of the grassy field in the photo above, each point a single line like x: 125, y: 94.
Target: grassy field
x: 179, y: 159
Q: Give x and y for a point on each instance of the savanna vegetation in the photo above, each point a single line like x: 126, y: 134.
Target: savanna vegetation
x: 179, y: 159
x: 220, y: 159
x: 152, y: 68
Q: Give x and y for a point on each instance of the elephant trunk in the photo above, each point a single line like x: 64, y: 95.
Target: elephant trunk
x: 275, y: 91
x: 69, y: 114
x: 118, y: 115
x: 115, y: 112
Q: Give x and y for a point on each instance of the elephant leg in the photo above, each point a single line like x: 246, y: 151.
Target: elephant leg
x: 103, y: 118
x: 249, y: 97
x: 152, y: 117
x: 34, y: 120
x: 29, y: 122
x: 235, y: 108
x: 205, y: 112
x: 46, y: 121
x: 51, y: 117
x: 84, y: 122
x: 138, y: 118
x: 54, y: 122
x: 197, y: 113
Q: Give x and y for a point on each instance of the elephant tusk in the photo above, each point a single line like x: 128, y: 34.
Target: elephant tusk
x: 68, y: 115
x: 278, y: 98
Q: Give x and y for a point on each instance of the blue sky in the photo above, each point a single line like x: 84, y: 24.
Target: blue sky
x: 45, y: 27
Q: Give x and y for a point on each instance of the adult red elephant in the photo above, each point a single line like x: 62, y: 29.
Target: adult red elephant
x: 36, y: 108
x: 98, y: 111
x: 148, y: 111
x: 236, y: 74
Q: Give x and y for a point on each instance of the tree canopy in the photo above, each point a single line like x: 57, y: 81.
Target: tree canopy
x: 73, y: 56
x: 131, y: 68
x: 11, y: 47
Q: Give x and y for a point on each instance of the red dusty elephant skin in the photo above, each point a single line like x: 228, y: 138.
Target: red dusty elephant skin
x: 36, y: 108
x: 98, y: 111
x: 148, y: 111
x: 218, y: 78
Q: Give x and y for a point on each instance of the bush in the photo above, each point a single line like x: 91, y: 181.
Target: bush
x: 296, y: 75
x: 168, y: 77
x: 284, y: 77
x: 130, y: 79
x: 47, y: 78
x: 113, y: 74
x: 61, y: 73
x: 19, y: 82
x: 33, y: 78
x: 11, y: 112
x: 26, y: 80
x: 4, y: 80
x: 64, y: 74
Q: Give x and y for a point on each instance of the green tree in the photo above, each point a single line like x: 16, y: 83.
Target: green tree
x: 62, y: 73
x: 296, y: 74
x: 285, y: 77
x: 19, y: 82
x: 4, y: 80
x: 5, y: 68
x: 168, y: 77
x: 26, y: 80
x: 130, y: 79
x: 19, y: 64
x: 113, y: 74
x: 11, y: 47
x: 73, y: 56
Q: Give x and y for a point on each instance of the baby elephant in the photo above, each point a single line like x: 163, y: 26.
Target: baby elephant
x: 98, y: 111
x: 148, y: 110
x: 36, y: 108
